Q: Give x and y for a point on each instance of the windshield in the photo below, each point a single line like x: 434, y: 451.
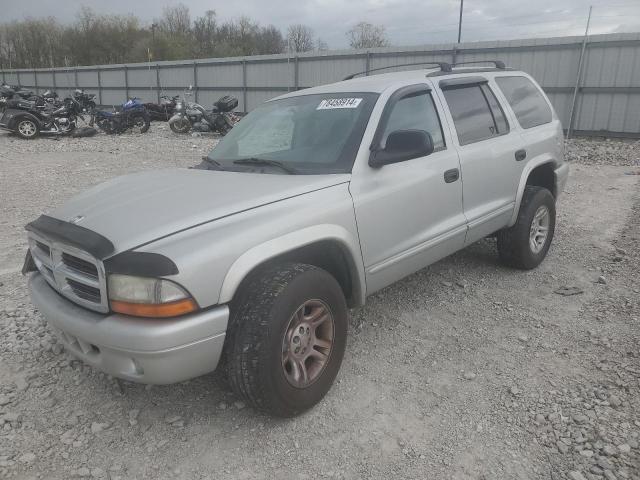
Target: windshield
x: 308, y: 134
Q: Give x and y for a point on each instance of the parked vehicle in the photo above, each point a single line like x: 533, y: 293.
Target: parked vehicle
x: 132, y: 116
x: 315, y: 200
x: 164, y: 110
x: 86, y: 100
x: 193, y: 116
x: 30, y: 118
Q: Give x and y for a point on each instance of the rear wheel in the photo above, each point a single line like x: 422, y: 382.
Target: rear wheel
x: 27, y: 128
x: 525, y: 245
x: 286, y: 338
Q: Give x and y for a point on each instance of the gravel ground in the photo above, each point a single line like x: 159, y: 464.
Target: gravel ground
x: 465, y: 370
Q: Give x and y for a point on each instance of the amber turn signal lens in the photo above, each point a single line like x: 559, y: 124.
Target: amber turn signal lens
x: 159, y: 310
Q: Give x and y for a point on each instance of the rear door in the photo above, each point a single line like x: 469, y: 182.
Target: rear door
x: 489, y: 153
x: 409, y: 214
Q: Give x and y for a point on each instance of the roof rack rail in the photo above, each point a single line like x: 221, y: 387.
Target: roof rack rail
x: 499, y: 64
x: 444, y: 67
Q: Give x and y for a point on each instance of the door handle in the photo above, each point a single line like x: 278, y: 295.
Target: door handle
x: 521, y: 155
x: 452, y: 175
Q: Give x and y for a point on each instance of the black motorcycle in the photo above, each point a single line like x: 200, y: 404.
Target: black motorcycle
x: 86, y: 100
x: 28, y: 120
x: 164, y: 110
x: 132, y: 116
x: 189, y: 115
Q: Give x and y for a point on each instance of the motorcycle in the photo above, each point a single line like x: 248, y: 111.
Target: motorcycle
x: 132, y: 115
x: 164, y: 110
x: 190, y: 115
x: 28, y: 120
x: 86, y: 100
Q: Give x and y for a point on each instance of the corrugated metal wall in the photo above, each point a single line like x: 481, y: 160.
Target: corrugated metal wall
x: 608, y: 99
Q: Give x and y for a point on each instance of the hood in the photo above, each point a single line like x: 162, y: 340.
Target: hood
x: 142, y: 207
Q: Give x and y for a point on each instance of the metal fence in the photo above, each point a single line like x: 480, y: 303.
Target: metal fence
x: 608, y: 100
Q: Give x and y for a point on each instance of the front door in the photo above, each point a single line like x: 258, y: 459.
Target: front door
x: 409, y: 214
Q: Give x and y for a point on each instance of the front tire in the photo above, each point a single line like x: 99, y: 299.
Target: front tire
x: 27, y: 128
x: 140, y: 122
x: 182, y: 125
x: 525, y: 244
x: 286, y: 338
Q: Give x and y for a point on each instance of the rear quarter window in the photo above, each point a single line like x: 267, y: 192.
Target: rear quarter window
x: 526, y: 100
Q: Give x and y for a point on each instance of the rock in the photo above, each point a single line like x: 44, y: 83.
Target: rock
x: 523, y: 338
x: 11, y: 417
x: 98, y: 427
x: 596, y: 470
x: 624, y: 448
x: 567, y: 291
x: 239, y: 404
x: 21, y: 384
x: 602, y: 280
x: 604, y: 464
x: 469, y: 375
x: 610, y: 451
x: 83, y: 472
x: 580, y: 418
x: 562, y: 447
x: 608, y: 474
x: 133, y: 417
x: 615, y: 401
x: 576, y: 475
x: 57, y: 349
x: 4, y: 400
x: 173, y: 419
x: 222, y: 406
x: 28, y: 457
x: 586, y: 453
x: 540, y: 419
x: 97, y: 473
x: 514, y: 391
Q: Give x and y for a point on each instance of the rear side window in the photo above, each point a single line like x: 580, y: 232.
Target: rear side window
x: 416, y: 111
x: 476, y: 113
x: 526, y: 100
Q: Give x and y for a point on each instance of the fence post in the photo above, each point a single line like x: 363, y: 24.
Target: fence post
x: 368, y: 63
x: 75, y: 76
x: 158, y: 81
x: 195, y: 80
x: 296, y: 74
x: 18, y: 76
x: 35, y: 80
x: 53, y: 77
x: 3, y: 79
x: 99, y: 87
x: 579, y: 75
x: 244, y: 85
x: 126, y: 82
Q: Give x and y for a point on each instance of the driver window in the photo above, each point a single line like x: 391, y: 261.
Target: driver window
x: 416, y: 111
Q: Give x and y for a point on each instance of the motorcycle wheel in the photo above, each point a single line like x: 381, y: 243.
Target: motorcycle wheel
x: 140, y: 122
x: 27, y: 128
x: 181, y: 125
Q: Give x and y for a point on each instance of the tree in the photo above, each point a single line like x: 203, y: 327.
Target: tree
x: 367, y: 35
x: 300, y: 38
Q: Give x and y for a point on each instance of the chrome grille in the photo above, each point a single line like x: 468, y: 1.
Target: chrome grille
x: 71, y: 272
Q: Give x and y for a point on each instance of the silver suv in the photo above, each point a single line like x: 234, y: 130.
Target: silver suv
x: 318, y: 198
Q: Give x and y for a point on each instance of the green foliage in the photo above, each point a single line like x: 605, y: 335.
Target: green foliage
x: 94, y: 39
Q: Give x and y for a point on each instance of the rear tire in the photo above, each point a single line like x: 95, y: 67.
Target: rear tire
x: 140, y: 121
x: 525, y: 244
x: 27, y: 128
x: 286, y: 338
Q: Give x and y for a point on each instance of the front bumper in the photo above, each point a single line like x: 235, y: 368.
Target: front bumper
x: 145, y: 350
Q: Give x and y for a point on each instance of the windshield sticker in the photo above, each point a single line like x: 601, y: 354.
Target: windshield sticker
x: 329, y: 103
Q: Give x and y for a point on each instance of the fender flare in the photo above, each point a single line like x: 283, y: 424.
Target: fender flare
x: 529, y: 167
x: 22, y: 114
x: 263, y: 252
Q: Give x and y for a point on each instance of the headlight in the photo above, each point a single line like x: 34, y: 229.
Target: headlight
x: 148, y: 297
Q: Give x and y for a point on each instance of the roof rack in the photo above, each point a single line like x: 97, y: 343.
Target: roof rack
x: 444, y: 67
x: 497, y: 63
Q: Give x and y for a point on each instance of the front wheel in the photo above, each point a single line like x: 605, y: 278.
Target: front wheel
x: 525, y: 244
x: 180, y: 125
x: 27, y: 128
x: 286, y: 338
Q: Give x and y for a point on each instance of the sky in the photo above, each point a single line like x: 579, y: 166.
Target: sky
x: 407, y: 22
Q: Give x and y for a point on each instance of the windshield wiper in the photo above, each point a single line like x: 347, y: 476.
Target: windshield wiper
x: 214, y: 163
x: 264, y: 161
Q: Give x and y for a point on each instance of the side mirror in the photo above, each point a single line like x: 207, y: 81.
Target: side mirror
x: 402, y: 145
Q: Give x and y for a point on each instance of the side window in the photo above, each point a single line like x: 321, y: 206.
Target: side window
x: 526, y: 100
x: 476, y: 113
x: 416, y: 111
